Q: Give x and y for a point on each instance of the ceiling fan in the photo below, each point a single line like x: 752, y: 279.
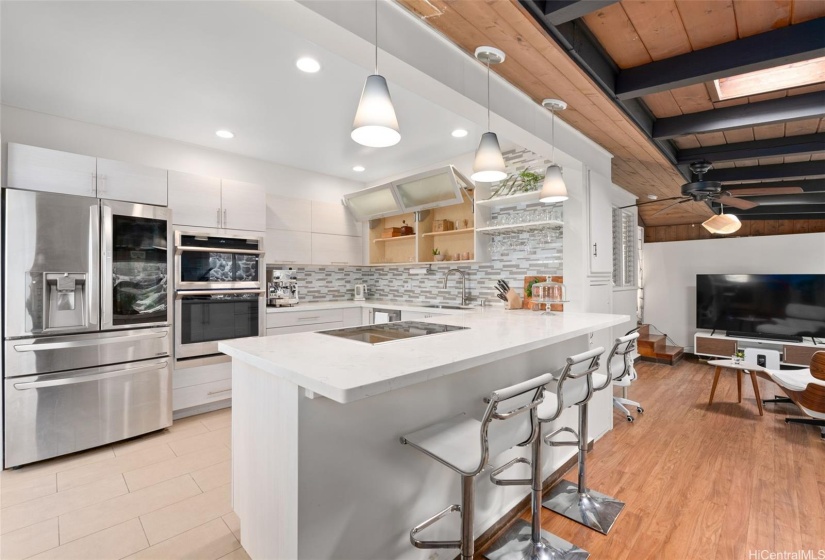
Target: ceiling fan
x: 701, y: 191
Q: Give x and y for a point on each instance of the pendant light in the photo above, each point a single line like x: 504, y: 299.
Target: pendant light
x: 553, y: 189
x: 488, y: 166
x: 375, y: 124
x: 723, y: 224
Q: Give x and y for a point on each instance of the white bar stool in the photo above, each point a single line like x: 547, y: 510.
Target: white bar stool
x: 465, y: 444
x: 576, y: 501
x: 620, y: 366
x: 573, y: 384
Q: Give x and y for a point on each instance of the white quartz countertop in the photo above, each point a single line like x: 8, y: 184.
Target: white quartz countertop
x: 347, y: 370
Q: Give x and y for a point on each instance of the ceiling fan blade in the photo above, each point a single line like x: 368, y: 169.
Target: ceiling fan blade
x: 739, y: 203
x: 650, y: 202
x: 764, y: 192
x: 669, y: 206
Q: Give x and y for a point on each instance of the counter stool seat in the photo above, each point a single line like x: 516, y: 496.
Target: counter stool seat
x: 465, y: 444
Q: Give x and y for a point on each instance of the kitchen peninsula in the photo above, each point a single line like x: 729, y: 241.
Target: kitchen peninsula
x: 318, y: 470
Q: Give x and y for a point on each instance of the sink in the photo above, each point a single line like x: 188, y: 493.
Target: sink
x: 445, y: 306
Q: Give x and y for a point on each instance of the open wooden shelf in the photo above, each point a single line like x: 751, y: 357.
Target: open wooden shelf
x: 510, y: 200
x: 530, y: 226
x: 451, y: 232
x: 396, y: 238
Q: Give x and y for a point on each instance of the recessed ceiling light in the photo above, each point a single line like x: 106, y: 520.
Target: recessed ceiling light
x: 309, y: 65
x: 459, y: 133
x: 359, y: 168
x: 224, y: 134
x: 771, y: 79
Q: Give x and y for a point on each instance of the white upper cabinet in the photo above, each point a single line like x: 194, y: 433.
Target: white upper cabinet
x: 244, y: 205
x: 41, y: 169
x: 289, y: 214
x: 600, y: 226
x: 334, y: 219
x: 288, y: 247
x: 131, y: 182
x: 336, y: 249
x: 195, y: 200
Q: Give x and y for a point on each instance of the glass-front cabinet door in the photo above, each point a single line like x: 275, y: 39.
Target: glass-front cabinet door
x: 136, y: 264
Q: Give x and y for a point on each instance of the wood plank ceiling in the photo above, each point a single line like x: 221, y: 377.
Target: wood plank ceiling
x: 548, y: 57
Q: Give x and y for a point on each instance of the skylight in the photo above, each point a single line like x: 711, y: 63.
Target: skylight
x: 772, y: 79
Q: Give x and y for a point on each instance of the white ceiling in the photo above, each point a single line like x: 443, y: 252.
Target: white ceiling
x: 183, y: 70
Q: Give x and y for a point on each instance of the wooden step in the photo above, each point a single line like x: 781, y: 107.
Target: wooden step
x: 650, y: 344
x: 670, y: 355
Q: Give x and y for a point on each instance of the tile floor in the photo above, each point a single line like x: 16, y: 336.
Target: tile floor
x: 161, y: 496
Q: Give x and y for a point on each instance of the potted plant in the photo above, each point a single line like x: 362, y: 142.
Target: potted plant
x: 437, y: 254
x: 521, y: 182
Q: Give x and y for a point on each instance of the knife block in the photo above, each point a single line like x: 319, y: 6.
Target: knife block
x: 513, y: 300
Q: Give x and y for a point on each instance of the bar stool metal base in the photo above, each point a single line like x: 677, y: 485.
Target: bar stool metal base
x: 516, y: 544
x: 591, y: 509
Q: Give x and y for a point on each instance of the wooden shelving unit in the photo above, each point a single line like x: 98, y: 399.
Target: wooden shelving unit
x: 510, y: 200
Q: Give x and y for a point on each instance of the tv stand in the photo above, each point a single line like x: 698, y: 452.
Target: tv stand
x: 719, y: 345
x: 780, y: 337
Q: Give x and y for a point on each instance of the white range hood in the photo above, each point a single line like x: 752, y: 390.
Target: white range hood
x: 430, y: 189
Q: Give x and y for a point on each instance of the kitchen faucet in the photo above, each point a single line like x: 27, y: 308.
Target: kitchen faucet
x: 464, y: 298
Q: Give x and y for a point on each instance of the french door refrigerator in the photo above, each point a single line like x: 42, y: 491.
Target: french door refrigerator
x: 87, y: 313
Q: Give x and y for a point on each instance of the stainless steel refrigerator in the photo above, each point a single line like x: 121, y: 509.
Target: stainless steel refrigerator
x: 87, y: 313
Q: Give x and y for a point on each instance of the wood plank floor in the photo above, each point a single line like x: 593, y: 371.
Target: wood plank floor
x: 699, y: 482
x: 162, y: 496
x: 704, y: 482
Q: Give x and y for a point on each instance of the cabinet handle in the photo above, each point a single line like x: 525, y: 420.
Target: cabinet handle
x: 339, y: 262
x: 224, y: 218
x: 219, y: 217
x: 94, y: 185
x: 218, y: 392
x: 595, y: 249
x: 308, y: 318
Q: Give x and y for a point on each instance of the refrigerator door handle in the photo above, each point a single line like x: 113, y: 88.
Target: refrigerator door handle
x: 75, y: 379
x: 106, y: 274
x: 89, y: 342
x: 92, y: 298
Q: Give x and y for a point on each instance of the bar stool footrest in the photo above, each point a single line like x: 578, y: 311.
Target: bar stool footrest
x: 550, y: 436
x: 431, y: 521
x: 590, y: 508
x: 517, y: 543
x: 510, y: 481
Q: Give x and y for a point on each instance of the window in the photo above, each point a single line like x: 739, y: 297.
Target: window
x: 624, y: 248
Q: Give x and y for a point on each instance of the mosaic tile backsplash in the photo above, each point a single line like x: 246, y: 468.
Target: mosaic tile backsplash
x: 513, y: 256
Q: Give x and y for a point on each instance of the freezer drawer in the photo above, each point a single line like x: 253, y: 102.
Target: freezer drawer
x: 59, y: 413
x: 29, y: 356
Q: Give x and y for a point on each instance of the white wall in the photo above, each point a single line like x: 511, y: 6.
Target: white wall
x: 671, y: 269
x: 47, y: 131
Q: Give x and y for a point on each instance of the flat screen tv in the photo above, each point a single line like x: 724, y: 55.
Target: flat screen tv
x: 772, y: 306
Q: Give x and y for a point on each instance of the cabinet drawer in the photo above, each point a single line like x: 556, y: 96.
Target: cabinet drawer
x: 304, y: 328
x: 187, y: 377
x: 798, y: 355
x: 204, y: 393
x: 707, y: 346
x: 312, y: 317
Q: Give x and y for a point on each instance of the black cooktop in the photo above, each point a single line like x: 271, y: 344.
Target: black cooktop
x: 391, y: 332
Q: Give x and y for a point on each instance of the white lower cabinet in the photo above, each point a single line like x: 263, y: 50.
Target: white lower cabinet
x: 310, y: 320
x: 304, y: 328
x: 353, y: 317
x: 336, y: 249
x: 196, y: 386
x: 417, y: 315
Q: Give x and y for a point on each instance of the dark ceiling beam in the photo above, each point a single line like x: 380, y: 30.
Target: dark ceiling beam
x: 773, y: 147
x: 794, y: 43
x: 807, y: 185
x: 767, y: 172
x: 807, y: 106
x: 562, y: 11
x: 583, y: 48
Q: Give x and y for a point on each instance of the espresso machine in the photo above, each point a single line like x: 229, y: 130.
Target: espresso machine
x: 281, y: 287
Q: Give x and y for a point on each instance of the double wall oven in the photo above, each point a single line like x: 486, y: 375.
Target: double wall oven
x: 219, y: 293
x: 87, y: 335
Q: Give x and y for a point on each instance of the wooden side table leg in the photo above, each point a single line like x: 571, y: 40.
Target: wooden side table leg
x: 715, y: 381
x: 756, y: 392
x: 739, y: 385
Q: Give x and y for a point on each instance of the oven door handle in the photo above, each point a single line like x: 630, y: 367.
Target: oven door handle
x: 75, y: 379
x: 188, y: 249
x: 183, y: 294
x: 89, y: 342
